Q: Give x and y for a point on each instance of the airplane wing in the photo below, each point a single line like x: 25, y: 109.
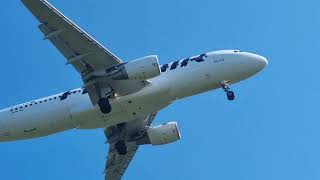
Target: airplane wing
x: 78, y: 47
x: 117, y: 164
x: 83, y: 52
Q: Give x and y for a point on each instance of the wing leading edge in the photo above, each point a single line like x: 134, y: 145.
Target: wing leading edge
x: 79, y: 48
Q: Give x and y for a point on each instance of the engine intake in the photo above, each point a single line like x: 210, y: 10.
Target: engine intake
x: 162, y: 134
x: 140, y: 69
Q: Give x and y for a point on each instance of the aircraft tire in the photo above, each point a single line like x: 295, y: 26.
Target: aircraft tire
x: 121, y: 148
x: 104, y: 105
x: 230, y: 95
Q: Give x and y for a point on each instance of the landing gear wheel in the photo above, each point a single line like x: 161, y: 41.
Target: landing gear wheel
x: 226, y: 88
x: 104, y: 105
x: 230, y: 95
x: 121, y: 148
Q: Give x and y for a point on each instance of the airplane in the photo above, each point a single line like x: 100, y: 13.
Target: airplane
x: 121, y: 97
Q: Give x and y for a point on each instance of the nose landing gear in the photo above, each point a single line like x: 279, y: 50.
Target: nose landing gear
x: 230, y: 95
x: 226, y: 88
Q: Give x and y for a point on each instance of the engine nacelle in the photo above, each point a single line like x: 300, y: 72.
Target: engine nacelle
x: 140, y: 69
x: 162, y: 134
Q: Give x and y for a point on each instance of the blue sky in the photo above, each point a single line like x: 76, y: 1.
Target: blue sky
x: 270, y: 132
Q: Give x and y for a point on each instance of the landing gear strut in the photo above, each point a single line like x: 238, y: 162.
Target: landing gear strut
x: 104, y: 105
x: 104, y: 102
x: 226, y: 88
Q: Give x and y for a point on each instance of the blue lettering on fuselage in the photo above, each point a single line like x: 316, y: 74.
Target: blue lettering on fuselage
x: 199, y: 58
x: 164, y: 68
x: 61, y: 97
x: 174, y: 65
x: 184, y: 63
x: 64, y: 95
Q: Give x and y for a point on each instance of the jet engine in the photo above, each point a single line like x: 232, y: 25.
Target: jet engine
x: 140, y: 69
x: 162, y: 134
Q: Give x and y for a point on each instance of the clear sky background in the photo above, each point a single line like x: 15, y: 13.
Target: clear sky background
x: 270, y: 132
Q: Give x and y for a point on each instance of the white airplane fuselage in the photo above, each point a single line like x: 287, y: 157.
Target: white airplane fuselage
x: 65, y: 111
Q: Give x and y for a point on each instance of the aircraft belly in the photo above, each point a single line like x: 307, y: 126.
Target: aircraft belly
x: 138, y: 105
x: 94, y: 119
x: 151, y: 99
x: 201, y: 79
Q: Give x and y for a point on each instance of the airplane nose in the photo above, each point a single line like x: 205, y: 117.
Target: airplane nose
x: 262, y: 62
x: 259, y: 62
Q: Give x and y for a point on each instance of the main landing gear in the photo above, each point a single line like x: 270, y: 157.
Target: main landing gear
x: 104, y: 105
x: 104, y: 102
x: 226, y: 88
x: 121, y: 147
